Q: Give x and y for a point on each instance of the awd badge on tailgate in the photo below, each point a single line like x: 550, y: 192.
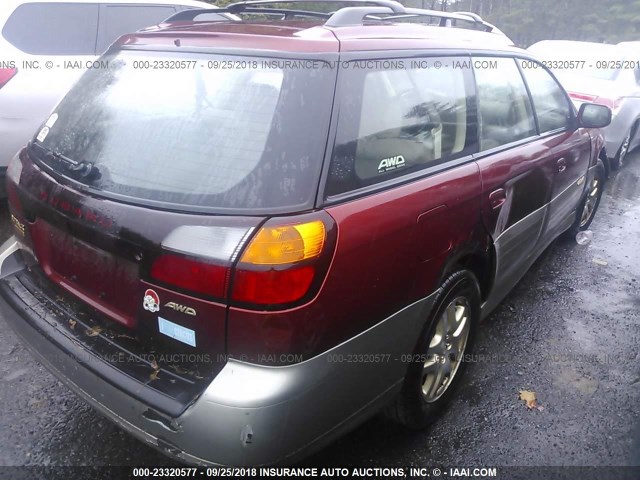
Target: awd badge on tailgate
x: 181, y: 308
x: 151, y: 301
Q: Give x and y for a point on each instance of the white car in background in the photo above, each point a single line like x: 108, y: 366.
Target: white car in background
x: 604, y: 74
x: 45, y: 45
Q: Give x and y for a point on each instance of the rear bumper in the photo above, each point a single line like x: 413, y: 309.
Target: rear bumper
x: 249, y: 414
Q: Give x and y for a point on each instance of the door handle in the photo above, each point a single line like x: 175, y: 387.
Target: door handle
x: 497, y: 198
x: 562, y: 165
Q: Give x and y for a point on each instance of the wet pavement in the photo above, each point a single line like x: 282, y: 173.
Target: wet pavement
x: 569, y: 331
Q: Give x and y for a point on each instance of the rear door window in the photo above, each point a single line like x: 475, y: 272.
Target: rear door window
x: 551, y: 105
x: 196, y: 131
x: 117, y: 20
x: 394, y: 121
x: 504, y: 107
x: 53, y: 28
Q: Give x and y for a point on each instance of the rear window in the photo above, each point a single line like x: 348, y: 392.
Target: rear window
x: 201, y: 131
x: 53, y: 28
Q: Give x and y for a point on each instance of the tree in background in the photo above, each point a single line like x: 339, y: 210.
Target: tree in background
x: 529, y: 21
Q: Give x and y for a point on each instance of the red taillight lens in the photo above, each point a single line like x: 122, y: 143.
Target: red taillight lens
x: 280, y: 264
x: 193, y: 275
x: 269, y: 267
x: 272, y: 287
x: 613, y: 104
x: 7, y: 74
x: 582, y: 97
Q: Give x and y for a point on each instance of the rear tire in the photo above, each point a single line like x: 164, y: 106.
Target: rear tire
x: 621, y: 154
x: 438, y: 359
x: 586, y: 212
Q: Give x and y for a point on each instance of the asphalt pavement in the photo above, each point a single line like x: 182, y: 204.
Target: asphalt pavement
x: 569, y: 331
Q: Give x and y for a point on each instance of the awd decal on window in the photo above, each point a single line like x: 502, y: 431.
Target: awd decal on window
x: 391, y: 163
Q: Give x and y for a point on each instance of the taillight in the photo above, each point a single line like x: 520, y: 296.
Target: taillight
x: 285, y: 244
x: 7, y: 74
x: 283, y: 262
x: 198, y: 259
x: 582, y: 97
x: 280, y: 264
x: 193, y: 275
x: 613, y: 104
x: 272, y: 286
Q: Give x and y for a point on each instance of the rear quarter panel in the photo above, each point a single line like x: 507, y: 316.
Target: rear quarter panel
x: 392, y: 248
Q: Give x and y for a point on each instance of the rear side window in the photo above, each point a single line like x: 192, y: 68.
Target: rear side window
x: 53, y: 28
x: 505, y: 112
x: 549, y: 100
x: 399, y: 120
x: 197, y: 133
x: 120, y: 19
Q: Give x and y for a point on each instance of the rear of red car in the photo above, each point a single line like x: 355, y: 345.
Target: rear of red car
x: 172, y: 265
x: 160, y: 194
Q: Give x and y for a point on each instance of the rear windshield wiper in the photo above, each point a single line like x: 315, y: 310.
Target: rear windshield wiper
x: 80, y: 170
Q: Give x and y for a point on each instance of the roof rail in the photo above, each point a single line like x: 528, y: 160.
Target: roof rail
x: 445, y: 17
x: 256, y: 6
x: 192, y: 15
x: 395, y: 6
x: 375, y: 9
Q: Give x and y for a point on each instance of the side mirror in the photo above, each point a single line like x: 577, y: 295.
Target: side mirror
x: 591, y: 115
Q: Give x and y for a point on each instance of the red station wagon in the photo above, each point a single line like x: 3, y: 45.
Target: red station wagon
x: 242, y: 239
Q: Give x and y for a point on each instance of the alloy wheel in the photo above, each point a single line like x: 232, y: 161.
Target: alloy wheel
x: 591, y: 202
x: 446, y: 349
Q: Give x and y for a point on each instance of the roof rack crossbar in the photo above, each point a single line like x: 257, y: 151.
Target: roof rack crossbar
x: 284, y: 11
x: 357, y: 16
x: 396, y: 7
x: 192, y: 14
x: 378, y: 9
x: 256, y: 6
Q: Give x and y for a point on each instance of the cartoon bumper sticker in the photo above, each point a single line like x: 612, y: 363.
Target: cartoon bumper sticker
x: 151, y: 301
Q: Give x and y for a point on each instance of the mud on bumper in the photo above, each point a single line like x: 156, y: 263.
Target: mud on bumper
x: 248, y: 414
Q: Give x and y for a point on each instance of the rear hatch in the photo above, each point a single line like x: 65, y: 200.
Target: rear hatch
x: 139, y: 192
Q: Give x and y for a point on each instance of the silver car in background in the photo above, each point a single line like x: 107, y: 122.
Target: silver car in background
x: 45, y: 45
x: 604, y: 74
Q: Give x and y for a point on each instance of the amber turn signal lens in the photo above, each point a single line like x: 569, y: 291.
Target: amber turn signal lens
x: 286, y: 244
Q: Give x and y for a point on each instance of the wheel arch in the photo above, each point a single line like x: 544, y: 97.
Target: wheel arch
x: 480, y: 261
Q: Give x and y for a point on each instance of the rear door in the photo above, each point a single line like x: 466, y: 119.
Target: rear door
x: 569, y: 148
x: 402, y: 183
x: 516, y: 167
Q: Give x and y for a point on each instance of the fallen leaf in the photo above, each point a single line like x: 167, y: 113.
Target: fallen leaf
x: 94, y: 331
x: 599, y: 261
x: 529, y: 399
x: 129, y: 337
x: 178, y: 369
x: 72, y: 324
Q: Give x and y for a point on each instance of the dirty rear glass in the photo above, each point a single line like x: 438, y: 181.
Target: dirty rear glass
x: 207, y: 131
